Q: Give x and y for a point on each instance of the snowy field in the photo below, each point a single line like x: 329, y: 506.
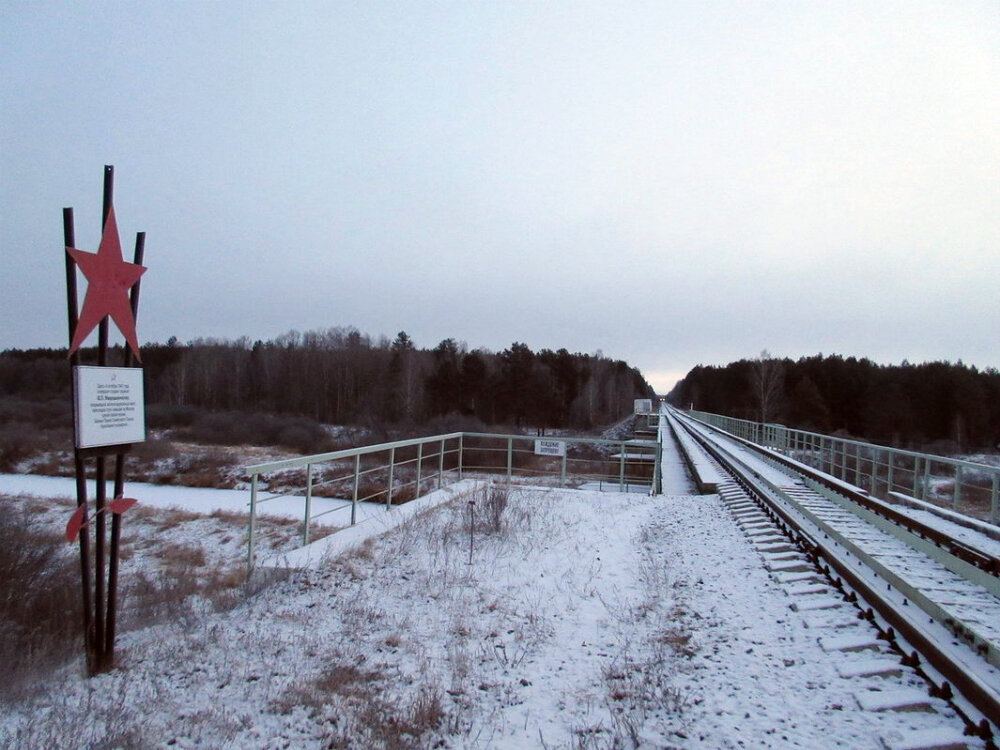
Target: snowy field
x: 584, y: 620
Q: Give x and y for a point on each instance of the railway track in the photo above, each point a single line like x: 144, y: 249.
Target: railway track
x: 930, y: 599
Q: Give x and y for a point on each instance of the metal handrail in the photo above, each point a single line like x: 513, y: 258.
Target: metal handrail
x: 842, y: 451
x: 444, y: 445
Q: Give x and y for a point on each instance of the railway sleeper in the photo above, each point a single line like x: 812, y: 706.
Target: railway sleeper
x: 938, y: 687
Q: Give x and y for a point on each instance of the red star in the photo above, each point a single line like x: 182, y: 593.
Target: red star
x: 109, y: 279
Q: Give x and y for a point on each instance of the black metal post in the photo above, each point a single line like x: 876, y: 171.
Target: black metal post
x: 116, y: 520
x: 69, y: 237
x: 100, y: 476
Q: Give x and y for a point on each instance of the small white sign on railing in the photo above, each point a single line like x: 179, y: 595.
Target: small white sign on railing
x: 550, y: 448
x: 110, y: 407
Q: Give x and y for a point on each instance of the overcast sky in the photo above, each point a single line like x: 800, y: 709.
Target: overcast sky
x: 672, y: 183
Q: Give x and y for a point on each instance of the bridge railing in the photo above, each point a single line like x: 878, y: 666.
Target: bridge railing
x: 966, y: 487
x: 334, y: 485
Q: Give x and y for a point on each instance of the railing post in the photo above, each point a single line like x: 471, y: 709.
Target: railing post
x: 357, y: 479
x: 927, y: 478
x: 562, y: 471
x: 461, y: 456
x: 253, y: 513
x: 441, y: 467
x: 995, y: 500
x: 309, y: 497
x: 888, y: 479
x: 857, y: 464
x: 874, y: 485
x: 657, y: 487
x: 510, y: 458
x: 392, y: 465
x: 621, y: 469
x: 420, y: 460
x: 956, y: 496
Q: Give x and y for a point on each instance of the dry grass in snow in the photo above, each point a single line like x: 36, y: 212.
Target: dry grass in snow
x: 505, y: 619
x: 559, y: 633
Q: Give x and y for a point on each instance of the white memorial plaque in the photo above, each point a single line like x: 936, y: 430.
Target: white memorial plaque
x: 110, y: 406
x: 550, y: 448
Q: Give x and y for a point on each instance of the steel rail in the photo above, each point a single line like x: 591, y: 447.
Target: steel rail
x: 961, y: 550
x: 942, y: 658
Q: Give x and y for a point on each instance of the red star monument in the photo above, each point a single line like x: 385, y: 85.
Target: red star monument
x: 109, y: 279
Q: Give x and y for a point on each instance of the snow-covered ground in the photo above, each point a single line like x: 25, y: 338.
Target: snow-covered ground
x: 193, y: 499
x: 584, y: 620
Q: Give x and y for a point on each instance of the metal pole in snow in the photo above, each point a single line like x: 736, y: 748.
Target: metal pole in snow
x: 621, y: 470
x: 472, y: 525
x: 357, y: 478
x: 441, y: 466
x: 81, y: 478
x: 892, y: 461
x: 116, y: 519
x: 956, y: 495
x: 420, y: 460
x: 994, y: 498
x: 253, y: 513
x: 392, y: 465
x: 309, y: 496
x: 100, y: 475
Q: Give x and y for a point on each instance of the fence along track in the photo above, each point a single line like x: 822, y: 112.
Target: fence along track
x: 900, y: 618
x: 980, y: 558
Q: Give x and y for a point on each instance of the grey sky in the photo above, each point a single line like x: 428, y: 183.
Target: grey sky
x: 673, y: 183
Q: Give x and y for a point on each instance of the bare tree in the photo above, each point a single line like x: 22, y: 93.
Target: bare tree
x: 767, y: 377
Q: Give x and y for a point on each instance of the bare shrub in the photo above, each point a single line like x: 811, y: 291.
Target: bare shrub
x: 170, y: 416
x: 321, y: 531
x: 208, y: 470
x: 233, y: 517
x: 181, y: 556
x: 153, y: 449
x: 20, y: 441
x: 262, y: 578
x: 403, y: 493
x: 337, y: 679
x: 171, y: 518
x: 40, y: 603
x: 494, y: 501
x: 155, y: 597
x: 372, y: 489
x: 678, y: 639
x: 240, y: 428
x: 178, y: 592
x: 381, y: 724
x: 111, y: 724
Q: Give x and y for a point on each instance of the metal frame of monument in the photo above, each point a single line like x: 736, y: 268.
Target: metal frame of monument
x: 109, y: 279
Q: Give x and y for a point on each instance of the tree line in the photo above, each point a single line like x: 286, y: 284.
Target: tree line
x: 934, y: 405
x: 342, y: 376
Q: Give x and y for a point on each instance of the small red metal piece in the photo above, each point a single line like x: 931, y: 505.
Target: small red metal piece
x: 75, y: 523
x: 121, y: 504
x: 109, y: 279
